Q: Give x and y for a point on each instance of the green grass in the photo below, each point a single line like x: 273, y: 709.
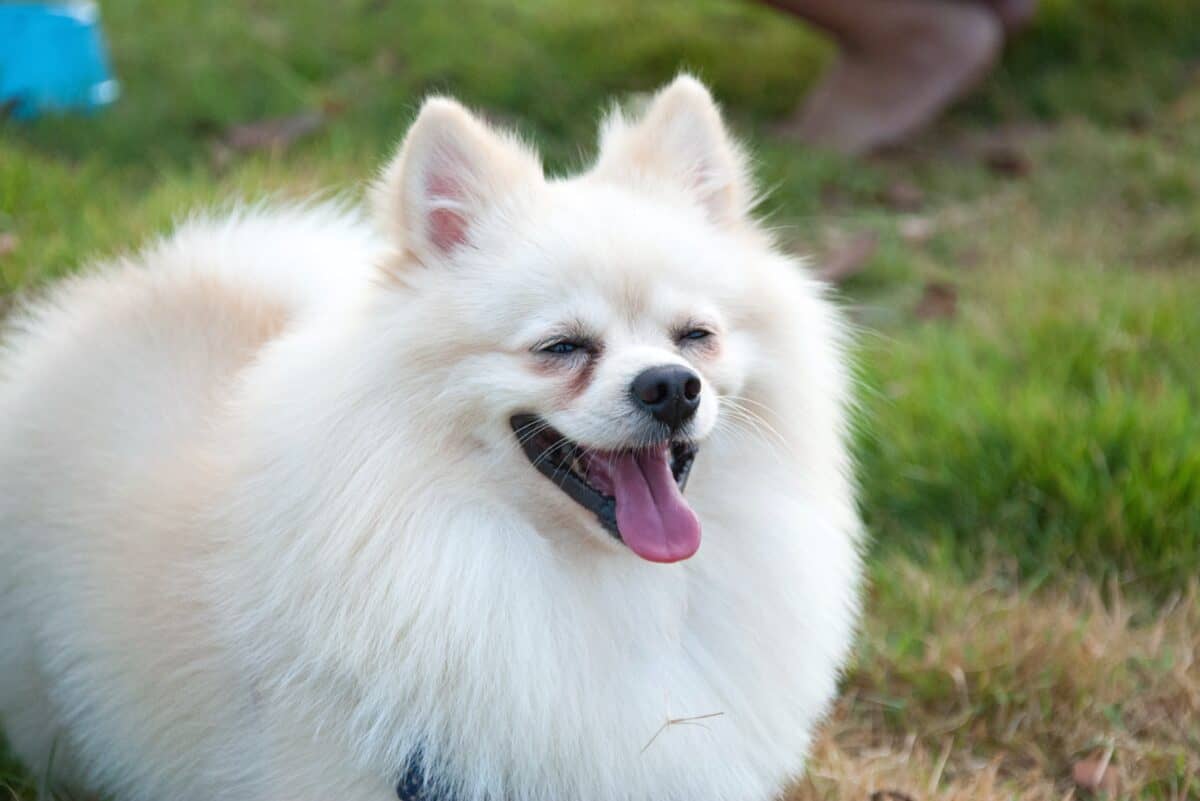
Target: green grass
x: 1048, y: 427
x: 1052, y: 420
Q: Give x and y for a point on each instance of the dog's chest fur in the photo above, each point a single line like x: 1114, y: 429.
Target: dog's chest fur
x: 508, y: 665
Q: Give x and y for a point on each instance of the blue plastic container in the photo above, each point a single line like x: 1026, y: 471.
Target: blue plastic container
x: 53, y: 59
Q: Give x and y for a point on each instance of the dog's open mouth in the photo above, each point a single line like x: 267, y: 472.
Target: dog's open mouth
x: 636, y: 494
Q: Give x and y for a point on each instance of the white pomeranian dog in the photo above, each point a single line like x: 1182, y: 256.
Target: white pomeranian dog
x: 294, y: 507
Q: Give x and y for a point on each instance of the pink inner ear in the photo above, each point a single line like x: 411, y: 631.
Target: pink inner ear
x: 447, y: 226
x: 447, y: 229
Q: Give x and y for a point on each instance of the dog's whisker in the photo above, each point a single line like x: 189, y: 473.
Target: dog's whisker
x: 757, y: 423
x: 738, y: 421
x: 530, y: 436
x: 548, y: 450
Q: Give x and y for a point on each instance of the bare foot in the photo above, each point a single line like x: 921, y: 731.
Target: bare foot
x: 898, y: 72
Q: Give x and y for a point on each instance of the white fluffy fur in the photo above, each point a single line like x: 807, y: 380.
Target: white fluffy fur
x: 264, y: 528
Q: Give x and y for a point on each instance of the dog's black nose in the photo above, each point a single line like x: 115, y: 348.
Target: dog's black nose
x: 670, y: 392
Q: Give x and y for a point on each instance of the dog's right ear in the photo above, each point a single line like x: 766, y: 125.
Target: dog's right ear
x: 450, y: 170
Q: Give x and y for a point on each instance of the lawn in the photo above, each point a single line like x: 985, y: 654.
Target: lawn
x: 1023, y: 278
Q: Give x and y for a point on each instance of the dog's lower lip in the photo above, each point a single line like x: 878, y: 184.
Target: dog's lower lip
x: 557, y: 458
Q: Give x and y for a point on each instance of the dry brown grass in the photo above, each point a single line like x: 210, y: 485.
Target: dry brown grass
x: 988, y: 692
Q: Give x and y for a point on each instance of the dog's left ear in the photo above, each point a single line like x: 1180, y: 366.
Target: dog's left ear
x: 681, y: 139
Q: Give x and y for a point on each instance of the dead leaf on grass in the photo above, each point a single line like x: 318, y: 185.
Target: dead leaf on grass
x: 890, y: 795
x: 939, y: 301
x: 903, y: 196
x: 8, y: 243
x: 1003, y: 149
x: 1008, y: 161
x: 917, y: 229
x: 272, y: 134
x: 1138, y: 121
x: 849, y: 259
x: 1096, y: 774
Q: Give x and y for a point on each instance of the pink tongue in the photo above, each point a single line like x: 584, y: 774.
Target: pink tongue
x: 654, y: 520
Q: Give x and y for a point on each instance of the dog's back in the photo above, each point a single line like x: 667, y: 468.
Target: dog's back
x: 109, y: 386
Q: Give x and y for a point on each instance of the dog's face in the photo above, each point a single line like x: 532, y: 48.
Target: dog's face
x: 590, y: 327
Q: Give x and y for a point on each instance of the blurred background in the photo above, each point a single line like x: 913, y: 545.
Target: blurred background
x: 1024, y: 272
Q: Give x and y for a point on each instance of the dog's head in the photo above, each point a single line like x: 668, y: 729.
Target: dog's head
x: 585, y: 333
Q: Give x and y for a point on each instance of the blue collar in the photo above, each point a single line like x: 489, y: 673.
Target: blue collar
x: 412, y: 783
x: 412, y: 786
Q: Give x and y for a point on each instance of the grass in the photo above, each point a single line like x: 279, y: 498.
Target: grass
x: 1051, y: 418
x: 1045, y: 426
x: 991, y: 691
